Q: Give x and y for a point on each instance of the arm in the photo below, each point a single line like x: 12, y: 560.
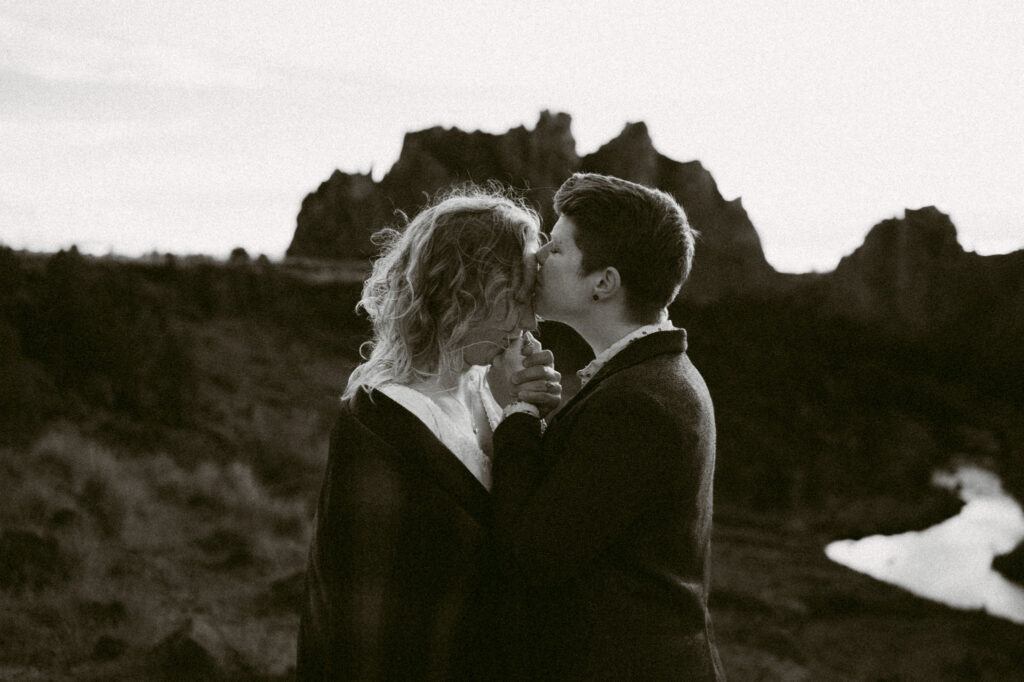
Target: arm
x: 356, y: 595
x: 625, y: 453
x: 517, y: 467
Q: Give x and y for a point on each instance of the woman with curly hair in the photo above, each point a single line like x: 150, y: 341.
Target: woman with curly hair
x: 400, y: 581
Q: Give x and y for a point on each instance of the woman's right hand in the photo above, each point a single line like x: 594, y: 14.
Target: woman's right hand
x: 538, y: 382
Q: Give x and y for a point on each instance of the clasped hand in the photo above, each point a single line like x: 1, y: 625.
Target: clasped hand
x: 526, y: 372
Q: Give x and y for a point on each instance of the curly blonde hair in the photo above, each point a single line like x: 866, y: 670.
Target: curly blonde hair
x: 448, y: 270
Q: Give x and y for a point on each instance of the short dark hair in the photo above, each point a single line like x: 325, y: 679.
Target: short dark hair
x: 640, y: 231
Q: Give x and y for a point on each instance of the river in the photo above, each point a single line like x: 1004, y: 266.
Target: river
x: 950, y: 562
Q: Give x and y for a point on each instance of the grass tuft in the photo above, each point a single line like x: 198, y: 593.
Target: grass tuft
x: 105, y: 552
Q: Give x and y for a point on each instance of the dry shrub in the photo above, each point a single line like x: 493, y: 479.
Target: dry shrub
x: 145, y: 539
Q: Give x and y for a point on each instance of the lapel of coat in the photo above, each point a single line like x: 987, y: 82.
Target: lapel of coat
x: 403, y: 431
x: 671, y: 341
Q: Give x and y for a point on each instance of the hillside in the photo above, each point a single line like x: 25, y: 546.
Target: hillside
x: 166, y: 426
x: 164, y: 423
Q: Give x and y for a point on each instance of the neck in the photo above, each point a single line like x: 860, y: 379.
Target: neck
x: 600, y: 331
x: 447, y: 384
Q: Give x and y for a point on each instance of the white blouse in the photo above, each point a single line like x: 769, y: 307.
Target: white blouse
x: 470, y: 444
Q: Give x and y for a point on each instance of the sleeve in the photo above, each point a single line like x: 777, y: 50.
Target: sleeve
x: 624, y: 454
x: 520, y: 406
x: 516, y: 468
x: 353, y: 626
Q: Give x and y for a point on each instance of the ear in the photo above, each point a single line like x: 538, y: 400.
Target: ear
x: 608, y: 284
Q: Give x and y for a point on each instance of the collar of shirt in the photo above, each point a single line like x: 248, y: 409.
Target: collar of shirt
x: 588, y: 372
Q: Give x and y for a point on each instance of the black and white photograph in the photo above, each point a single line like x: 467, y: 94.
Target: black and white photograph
x: 537, y: 341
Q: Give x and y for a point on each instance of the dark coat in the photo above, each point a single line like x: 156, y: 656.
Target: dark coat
x: 606, y: 523
x: 399, y: 582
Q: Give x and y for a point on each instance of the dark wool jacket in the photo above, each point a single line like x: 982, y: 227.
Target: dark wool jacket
x: 399, y: 582
x: 605, y: 523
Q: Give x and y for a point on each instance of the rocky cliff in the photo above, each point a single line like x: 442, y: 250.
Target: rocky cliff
x: 337, y: 220
x: 729, y: 256
x: 910, y: 275
x: 908, y: 269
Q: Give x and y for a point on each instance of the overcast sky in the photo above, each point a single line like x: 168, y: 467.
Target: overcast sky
x: 195, y: 127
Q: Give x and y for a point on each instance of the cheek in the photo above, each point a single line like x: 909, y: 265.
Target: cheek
x: 563, y: 274
x: 499, y: 327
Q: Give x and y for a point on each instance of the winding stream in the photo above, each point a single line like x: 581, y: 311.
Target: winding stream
x: 950, y: 562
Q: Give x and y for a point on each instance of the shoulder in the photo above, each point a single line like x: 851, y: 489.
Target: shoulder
x: 361, y: 440
x: 666, y: 381
x: 370, y: 413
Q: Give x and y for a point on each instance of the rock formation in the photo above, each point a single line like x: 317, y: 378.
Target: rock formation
x: 337, y: 220
x: 536, y: 161
x: 911, y: 275
x: 729, y: 257
x: 903, y: 269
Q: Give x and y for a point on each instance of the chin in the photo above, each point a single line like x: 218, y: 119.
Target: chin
x: 480, y: 360
x: 548, y: 314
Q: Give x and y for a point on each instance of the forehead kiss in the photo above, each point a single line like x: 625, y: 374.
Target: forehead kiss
x: 530, y: 267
